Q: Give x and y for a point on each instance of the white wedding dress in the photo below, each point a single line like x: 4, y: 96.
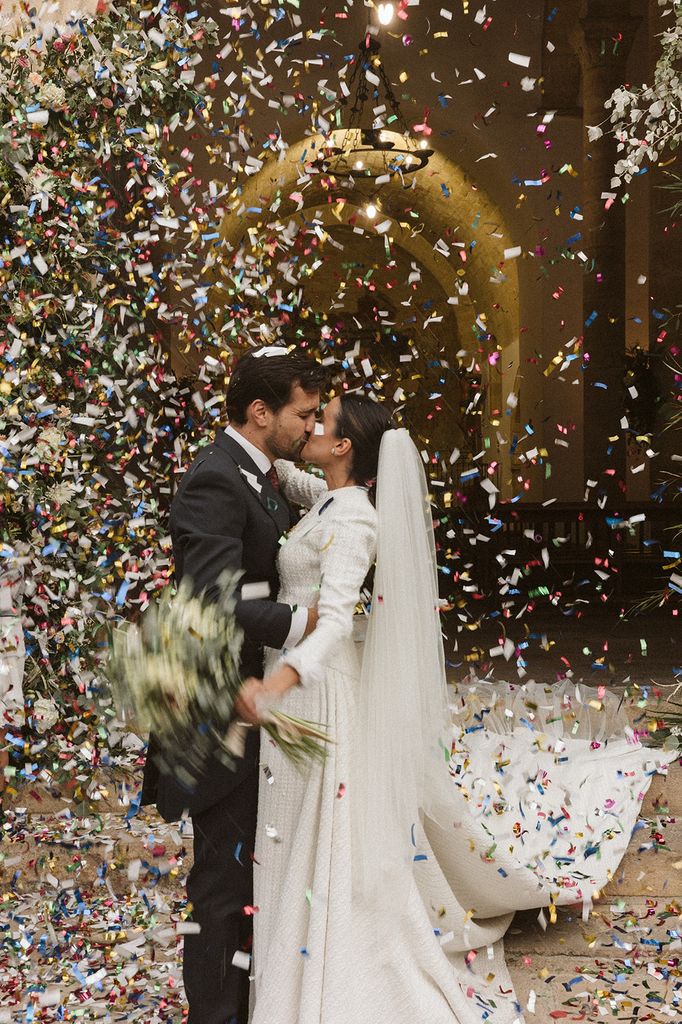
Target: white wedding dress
x: 545, y: 789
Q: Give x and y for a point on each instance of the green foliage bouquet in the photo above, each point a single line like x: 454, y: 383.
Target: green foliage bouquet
x: 176, y: 675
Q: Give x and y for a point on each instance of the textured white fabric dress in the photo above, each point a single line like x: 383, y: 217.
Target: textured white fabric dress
x: 542, y: 812
x: 302, y: 884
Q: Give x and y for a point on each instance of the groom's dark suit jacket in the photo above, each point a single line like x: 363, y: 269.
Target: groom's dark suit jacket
x: 225, y: 515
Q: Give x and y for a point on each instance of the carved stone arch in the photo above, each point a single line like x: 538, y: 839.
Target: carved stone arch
x: 474, y: 216
x: 440, y: 207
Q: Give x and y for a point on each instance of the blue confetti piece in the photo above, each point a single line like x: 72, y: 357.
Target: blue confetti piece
x: 568, y: 985
x: 134, y: 808
x: 78, y: 975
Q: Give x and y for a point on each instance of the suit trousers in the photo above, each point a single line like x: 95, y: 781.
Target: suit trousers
x: 219, y: 887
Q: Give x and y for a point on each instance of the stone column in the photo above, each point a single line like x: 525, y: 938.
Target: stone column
x: 664, y: 288
x: 603, y: 40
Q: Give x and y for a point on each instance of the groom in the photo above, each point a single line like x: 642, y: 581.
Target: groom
x: 228, y: 513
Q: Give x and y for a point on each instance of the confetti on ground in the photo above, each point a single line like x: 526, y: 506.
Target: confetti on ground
x: 169, y: 197
x: 93, y: 913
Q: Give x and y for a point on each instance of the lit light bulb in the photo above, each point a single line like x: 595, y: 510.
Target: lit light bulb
x: 386, y: 13
x: 359, y: 165
x: 371, y: 211
x: 422, y: 144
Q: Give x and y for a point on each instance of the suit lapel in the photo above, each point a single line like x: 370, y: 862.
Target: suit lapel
x: 310, y: 520
x: 273, y: 503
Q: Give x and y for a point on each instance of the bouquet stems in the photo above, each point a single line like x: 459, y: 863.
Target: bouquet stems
x: 297, y: 738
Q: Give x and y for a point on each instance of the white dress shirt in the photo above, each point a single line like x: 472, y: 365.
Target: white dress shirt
x: 299, y: 616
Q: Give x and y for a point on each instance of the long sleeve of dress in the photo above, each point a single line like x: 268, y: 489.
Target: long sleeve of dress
x: 300, y: 488
x: 347, y: 550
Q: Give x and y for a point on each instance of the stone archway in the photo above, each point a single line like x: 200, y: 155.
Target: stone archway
x: 442, y: 225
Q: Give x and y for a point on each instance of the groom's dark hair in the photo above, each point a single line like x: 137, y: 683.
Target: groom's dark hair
x: 270, y: 378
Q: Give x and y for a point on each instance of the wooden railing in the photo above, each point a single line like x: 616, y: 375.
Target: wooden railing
x: 626, y: 548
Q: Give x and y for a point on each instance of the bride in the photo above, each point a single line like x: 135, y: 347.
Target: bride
x: 386, y: 876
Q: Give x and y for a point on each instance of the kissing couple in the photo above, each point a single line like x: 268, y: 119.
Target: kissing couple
x: 375, y: 886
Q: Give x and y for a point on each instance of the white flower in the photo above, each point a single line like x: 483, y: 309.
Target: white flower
x: 45, y: 714
x: 52, y: 96
x: 48, y: 443
x: 594, y: 132
x: 39, y: 181
x: 657, y: 107
x: 60, y: 493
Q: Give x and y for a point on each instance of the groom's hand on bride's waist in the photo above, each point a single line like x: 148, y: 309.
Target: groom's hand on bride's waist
x: 313, y: 616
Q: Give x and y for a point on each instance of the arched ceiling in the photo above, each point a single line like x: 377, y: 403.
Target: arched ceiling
x: 447, y: 226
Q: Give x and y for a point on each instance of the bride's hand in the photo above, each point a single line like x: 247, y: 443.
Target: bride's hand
x: 246, y: 705
x: 257, y: 696
x: 276, y: 685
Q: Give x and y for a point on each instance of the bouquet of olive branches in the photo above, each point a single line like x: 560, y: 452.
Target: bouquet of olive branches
x: 176, y: 675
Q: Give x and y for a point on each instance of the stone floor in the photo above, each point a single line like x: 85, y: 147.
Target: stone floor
x: 92, y: 909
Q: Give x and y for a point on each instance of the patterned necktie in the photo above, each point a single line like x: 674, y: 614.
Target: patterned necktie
x: 271, y: 475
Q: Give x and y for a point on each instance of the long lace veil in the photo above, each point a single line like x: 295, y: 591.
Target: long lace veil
x: 402, y: 737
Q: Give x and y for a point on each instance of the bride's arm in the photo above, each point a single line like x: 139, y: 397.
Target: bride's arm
x: 299, y: 487
x: 348, y: 549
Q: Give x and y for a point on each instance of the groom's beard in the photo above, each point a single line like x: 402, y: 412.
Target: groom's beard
x: 292, y: 454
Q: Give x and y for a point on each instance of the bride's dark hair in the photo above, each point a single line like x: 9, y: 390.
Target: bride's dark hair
x: 364, y: 422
